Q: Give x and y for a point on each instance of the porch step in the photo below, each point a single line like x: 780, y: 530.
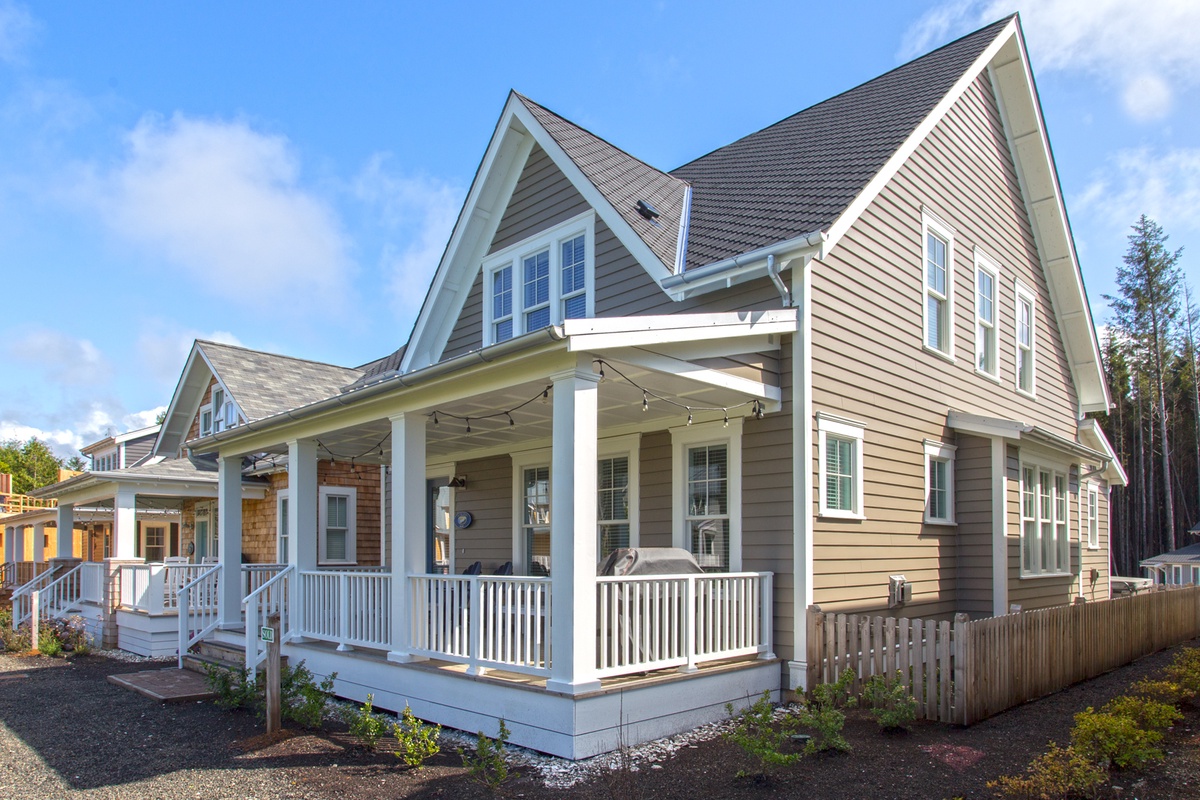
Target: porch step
x: 210, y: 652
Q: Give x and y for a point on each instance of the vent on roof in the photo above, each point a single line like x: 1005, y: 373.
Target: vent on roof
x: 646, y: 210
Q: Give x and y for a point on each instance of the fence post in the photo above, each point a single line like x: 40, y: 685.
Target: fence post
x: 35, y: 598
x: 474, y: 625
x: 273, y: 676
x: 689, y: 625
x: 156, y: 589
x: 963, y: 674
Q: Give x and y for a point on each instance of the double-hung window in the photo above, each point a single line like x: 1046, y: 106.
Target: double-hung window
x: 1093, y: 517
x: 707, y: 484
x: 1045, y: 543
x: 986, y: 275
x: 840, y: 458
x: 612, y: 499
x: 281, y: 532
x: 535, y: 526
x: 218, y: 410
x: 540, y: 281
x: 206, y: 421
x: 938, y: 263
x: 1026, y: 342
x: 337, y: 529
x: 939, y: 483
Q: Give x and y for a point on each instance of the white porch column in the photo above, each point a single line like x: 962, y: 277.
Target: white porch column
x: 573, y: 533
x: 229, y: 546
x: 408, y: 523
x: 19, y: 542
x: 124, y: 544
x: 10, y: 543
x: 39, y: 543
x: 302, y: 504
x: 66, y: 531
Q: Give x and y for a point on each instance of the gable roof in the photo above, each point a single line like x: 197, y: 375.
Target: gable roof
x: 802, y: 173
x: 1184, y: 555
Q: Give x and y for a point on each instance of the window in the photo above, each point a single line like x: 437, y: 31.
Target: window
x: 336, y: 537
x: 1177, y: 575
x: 1093, y: 517
x: 1045, y: 542
x: 938, y: 263
x: 986, y: 274
x: 707, y: 484
x: 553, y: 280
x: 1195, y: 576
x: 206, y: 421
x: 1025, y: 340
x: 218, y: 405
x: 535, y: 515
x: 612, y: 504
x: 281, y: 534
x: 939, y: 483
x: 840, y: 459
x: 154, y: 543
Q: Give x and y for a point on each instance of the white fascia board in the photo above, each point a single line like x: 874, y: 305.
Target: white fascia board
x: 1093, y: 436
x: 694, y: 372
x: 610, y: 332
x: 985, y: 426
x: 173, y: 408
x: 742, y: 267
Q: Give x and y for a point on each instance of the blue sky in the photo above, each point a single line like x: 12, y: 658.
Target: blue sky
x: 284, y: 176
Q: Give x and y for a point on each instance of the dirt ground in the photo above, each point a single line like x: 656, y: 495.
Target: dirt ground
x: 66, y: 732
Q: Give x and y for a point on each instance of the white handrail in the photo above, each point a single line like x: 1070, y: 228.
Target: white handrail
x: 270, y: 598
x: 60, y: 595
x: 8, y: 574
x: 198, y: 606
x: 21, y: 596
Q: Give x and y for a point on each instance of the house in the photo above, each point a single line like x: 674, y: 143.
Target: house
x: 844, y: 361
x: 1178, y: 567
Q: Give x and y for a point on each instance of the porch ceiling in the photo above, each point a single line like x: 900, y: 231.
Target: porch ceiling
x: 620, y: 407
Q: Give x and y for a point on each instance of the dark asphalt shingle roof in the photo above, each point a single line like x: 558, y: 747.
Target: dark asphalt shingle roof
x: 798, y: 175
x: 264, y: 384
x: 623, y: 180
x: 389, y: 363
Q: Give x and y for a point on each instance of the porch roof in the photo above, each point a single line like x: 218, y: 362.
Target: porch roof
x: 1020, y: 431
x: 172, y: 477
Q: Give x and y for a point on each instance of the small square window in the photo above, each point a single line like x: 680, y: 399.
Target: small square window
x: 939, y: 483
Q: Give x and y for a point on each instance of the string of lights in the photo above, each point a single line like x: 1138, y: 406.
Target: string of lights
x: 543, y: 395
x: 376, y: 448
x: 756, y: 405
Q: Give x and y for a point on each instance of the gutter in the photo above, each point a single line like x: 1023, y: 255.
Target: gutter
x: 709, y: 271
x: 384, y: 383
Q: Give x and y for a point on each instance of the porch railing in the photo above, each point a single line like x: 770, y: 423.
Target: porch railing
x: 22, y: 595
x: 255, y: 575
x: 349, y: 607
x: 483, y: 621
x: 28, y: 570
x: 8, y: 574
x: 659, y: 621
x: 199, y: 612
x: 269, y: 598
x: 57, y: 598
x: 92, y: 578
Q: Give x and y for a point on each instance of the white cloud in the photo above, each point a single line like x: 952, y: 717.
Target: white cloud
x: 62, y: 359
x: 421, y: 212
x: 93, y: 424
x: 223, y: 203
x: 1148, y: 50
x: 1163, y: 184
x: 17, y: 28
x: 163, y: 349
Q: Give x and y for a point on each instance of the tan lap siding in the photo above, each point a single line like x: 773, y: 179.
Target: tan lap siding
x: 1095, y: 559
x: 489, y: 497
x: 973, y: 512
x: 654, y: 457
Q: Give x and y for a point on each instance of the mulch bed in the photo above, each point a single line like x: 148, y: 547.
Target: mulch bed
x: 65, y: 731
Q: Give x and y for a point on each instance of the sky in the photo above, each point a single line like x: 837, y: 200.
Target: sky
x: 285, y: 176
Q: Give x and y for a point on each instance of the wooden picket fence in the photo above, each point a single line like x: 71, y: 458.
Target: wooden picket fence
x: 963, y: 671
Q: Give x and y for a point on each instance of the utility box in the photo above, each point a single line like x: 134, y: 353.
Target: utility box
x: 899, y: 591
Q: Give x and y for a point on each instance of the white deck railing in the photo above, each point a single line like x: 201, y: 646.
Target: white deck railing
x: 59, y: 596
x: 483, y: 621
x: 8, y: 574
x: 660, y: 621
x: 255, y: 575
x: 92, y: 578
x: 271, y: 597
x: 198, y: 606
x: 349, y: 607
x: 21, y: 596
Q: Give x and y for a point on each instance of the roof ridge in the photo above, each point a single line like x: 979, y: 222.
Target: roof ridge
x: 843, y: 93
x: 245, y: 349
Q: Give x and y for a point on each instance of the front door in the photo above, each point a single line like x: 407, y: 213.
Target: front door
x: 439, y: 551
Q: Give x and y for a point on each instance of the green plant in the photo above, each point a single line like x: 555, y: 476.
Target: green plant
x: 1148, y: 714
x: 72, y: 632
x: 230, y: 686
x: 1111, y: 740
x: 14, y: 641
x: 757, y: 734
x: 417, y: 741
x: 1184, y: 671
x: 1161, y: 690
x: 365, y: 726
x: 1059, y: 773
x: 48, y: 642
x: 304, y: 699
x: 823, y: 713
x: 891, y: 706
x: 488, y: 765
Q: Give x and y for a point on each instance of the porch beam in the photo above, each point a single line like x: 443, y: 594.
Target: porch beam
x: 39, y: 542
x: 125, y: 525
x: 229, y: 538
x: 408, y: 525
x: 66, y: 531
x: 573, y: 532
x: 302, y: 504
x: 706, y: 375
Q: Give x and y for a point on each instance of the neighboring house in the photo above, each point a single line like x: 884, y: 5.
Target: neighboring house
x: 1179, y: 567
x: 121, y: 450
x: 844, y: 361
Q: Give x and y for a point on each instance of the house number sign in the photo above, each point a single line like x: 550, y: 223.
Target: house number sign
x: 266, y: 634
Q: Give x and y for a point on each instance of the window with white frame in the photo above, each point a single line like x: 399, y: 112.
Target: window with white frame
x: 840, y: 464
x: 707, y: 485
x: 218, y: 409
x: 1196, y: 576
x: 1045, y: 542
x: 939, y: 483
x: 281, y: 533
x: 1093, y: 517
x: 337, y: 531
x: 154, y: 543
x: 540, y: 281
x: 1177, y: 575
x: 1026, y: 339
x: 938, y: 261
x: 535, y: 518
x: 617, y: 494
x: 986, y: 281
x: 206, y: 421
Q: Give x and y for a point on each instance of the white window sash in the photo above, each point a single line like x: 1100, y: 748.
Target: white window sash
x: 829, y: 425
x: 686, y: 438
x: 943, y: 453
x: 351, y: 495
x: 1047, y: 533
x: 986, y: 329
x: 1025, y: 296
x: 931, y: 224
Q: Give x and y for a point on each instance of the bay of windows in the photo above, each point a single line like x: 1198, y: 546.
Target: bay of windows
x: 1045, y: 542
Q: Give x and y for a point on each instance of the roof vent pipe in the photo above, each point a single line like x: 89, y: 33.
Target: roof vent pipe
x: 776, y: 279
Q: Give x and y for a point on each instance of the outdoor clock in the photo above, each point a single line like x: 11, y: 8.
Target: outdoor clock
x: 463, y: 519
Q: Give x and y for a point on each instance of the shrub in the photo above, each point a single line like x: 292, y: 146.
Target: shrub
x: 17, y: 641
x: 72, y: 632
x: 417, y: 741
x: 1184, y: 671
x: 48, y: 642
x: 1161, y: 691
x: 1111, y: 740
x: 365, y: 726
x: 1059, y: 773
x: 230, y: 686
x: 757, y: 734
x: 1147, y: 714
x: 891, y: 706
x: 303, y: 698
x: 823, y: 714
x: 488, y: 765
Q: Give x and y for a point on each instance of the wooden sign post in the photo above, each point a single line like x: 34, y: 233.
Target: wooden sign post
x: 270, y: 635
x: 35, y: 620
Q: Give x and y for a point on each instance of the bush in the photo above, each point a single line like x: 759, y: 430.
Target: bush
x: 72, y: 632
x: 365, y: 726
x: 1165, y: 692
x: 1111, y: 740
x: 230, y: 686
x: 757, y: 734
x: 1059, y: 773
x: 488, y: 765
x: 48, y: 643
x: 823, y: 714
x: 417, y: 741
x: 303, y: 699
x: 1147, y: 714
x: 1184, y: 671
x: 891, y: 706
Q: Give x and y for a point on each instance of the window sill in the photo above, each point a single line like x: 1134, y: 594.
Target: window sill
x: 847, y: 515
x: 1024, y: 393
x: 337, y: 563
x: 994, y: 378
x: 944, y: 523
x: 940, y: 354
x: 1047, y: 575
x: 1093, y: 547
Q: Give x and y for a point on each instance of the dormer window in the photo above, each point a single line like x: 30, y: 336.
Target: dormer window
x: 540, y: 281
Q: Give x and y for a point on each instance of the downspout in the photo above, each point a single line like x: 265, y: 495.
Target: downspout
x: 776, y: 279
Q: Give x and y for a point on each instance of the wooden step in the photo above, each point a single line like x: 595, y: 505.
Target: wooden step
x: 221, y: 652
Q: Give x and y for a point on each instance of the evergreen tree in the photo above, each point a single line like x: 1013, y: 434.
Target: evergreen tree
x: 32, y: 464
